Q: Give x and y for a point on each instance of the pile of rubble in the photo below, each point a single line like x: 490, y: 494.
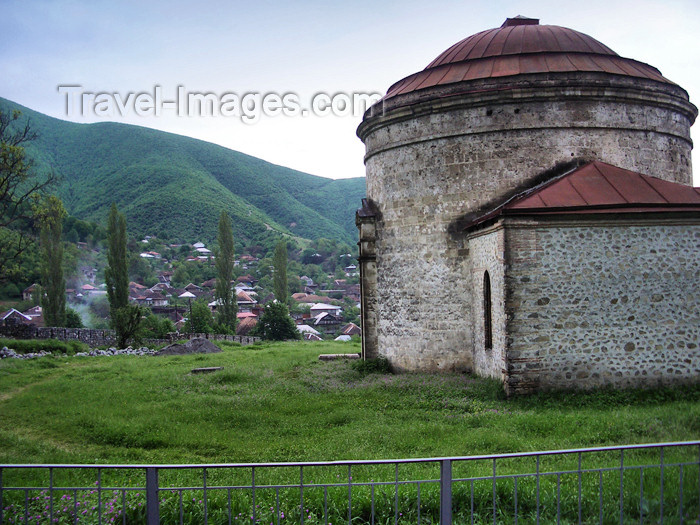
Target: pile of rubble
x: 9, y: 353
x: 113, y: 351
x: 6, y: 353
x: 197, y: 345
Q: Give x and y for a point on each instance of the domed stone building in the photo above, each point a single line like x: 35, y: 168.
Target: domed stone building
x: 529, y: 216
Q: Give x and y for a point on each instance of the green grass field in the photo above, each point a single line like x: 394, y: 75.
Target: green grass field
x: 278, y: 402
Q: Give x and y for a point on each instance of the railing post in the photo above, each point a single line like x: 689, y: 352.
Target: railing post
x: 152, y: 508
x: 446, y: 492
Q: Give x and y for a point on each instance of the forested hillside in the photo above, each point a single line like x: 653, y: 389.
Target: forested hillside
x: 175, y: 187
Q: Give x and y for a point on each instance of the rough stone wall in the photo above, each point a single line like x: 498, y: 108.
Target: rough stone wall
x: 88, y: 336
x: 423, y: 301
x: 639, y: 125
x: 368, y: 284
x: 486, y: 253
x: 428, y: 165
x: 95, y: 338
x: 597, y: 303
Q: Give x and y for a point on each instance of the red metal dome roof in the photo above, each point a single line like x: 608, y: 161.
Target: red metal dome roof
x: 522, y: 46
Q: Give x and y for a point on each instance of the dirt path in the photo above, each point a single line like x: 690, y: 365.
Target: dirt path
x: 5, y: 396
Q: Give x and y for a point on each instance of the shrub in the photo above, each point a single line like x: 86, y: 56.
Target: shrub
x: 10, y: 291
x: 73, y: 319
x: 29, y: 346
x: 380, y: 365
x: 275, y: 323
x: 155, y: 327
x: 201, y: 320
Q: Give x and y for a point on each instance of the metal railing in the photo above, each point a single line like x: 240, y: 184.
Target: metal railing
x: 652, y: 483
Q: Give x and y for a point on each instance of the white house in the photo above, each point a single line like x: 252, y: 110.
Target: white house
x: 319, y: 308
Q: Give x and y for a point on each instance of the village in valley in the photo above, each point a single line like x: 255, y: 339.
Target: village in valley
x: 489, y: 314
x: 167, y: 279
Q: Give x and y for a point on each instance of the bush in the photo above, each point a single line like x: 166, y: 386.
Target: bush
x: 10, y: 291
x: 275, y: 323
x: 73, y: 319
x: 380, y: 365
x: 155, y: 327
x: 201, y: 320
x: 219, y: 328
x: 29, y: 346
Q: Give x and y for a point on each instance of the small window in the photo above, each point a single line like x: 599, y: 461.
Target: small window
x: 488, y: 332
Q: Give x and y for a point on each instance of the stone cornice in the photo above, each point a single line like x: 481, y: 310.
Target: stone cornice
x: 535, y: 88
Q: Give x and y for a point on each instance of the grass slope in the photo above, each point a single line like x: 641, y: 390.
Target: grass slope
x: 277, y: 402
x: 176, y: 186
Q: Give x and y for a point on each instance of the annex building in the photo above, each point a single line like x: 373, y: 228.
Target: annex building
x: 530, y: 216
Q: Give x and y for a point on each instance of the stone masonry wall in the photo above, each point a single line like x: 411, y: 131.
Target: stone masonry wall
x: 422, y: 299
x: 486, y: 252
x: 95, y: 338
x: 368, y: 285
x: 596, y: 303
x: 428, y: 165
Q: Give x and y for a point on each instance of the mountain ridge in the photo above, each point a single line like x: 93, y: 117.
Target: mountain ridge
x: 175, y: 186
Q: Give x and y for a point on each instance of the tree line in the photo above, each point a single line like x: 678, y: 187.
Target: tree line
x: 30, y: 213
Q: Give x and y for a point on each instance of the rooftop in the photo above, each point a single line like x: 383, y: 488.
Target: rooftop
x: 597, y: 187
x: 522, y: 46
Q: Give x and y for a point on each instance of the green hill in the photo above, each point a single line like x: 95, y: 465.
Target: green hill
x: 175, y: 187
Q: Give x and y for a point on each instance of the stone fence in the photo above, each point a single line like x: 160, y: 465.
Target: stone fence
x: 94, y: 338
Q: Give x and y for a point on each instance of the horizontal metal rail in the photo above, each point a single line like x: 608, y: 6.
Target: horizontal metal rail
x: 357, y: 461
x: 492, y: 492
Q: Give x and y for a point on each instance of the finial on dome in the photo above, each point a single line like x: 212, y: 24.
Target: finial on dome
x: 521, y: 20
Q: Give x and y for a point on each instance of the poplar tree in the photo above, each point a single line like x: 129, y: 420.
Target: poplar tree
x: 116, y: 273
x: 125, y: 318
x: 50, y: 217
x: 227, y: 307
x: 280, y: 278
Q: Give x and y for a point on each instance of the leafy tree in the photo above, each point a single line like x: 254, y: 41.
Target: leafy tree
x: 280, y: 275
x: 311, y: 256
x: 141, y: 271
x: 351, y: 314
x: 276, y: 324
x: 19, y: 185
x: 201, y: 320
x: 10, y: 291
x: 125, y: 318
x: 219, y: 328
x: 181, y: 276
x: 72, y: 236
x: 126, y: 321
x: 73, y: 319
x: 266, y: 287
x: 227, y: 308
x: 156, y: 327
x: 50, y: 215
x: 295, y: 284
x: 99, y: 307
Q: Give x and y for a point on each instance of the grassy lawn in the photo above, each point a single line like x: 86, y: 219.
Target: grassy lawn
x: 278, y: 402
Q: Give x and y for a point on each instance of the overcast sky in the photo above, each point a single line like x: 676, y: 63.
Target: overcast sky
x: 304, y: 48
